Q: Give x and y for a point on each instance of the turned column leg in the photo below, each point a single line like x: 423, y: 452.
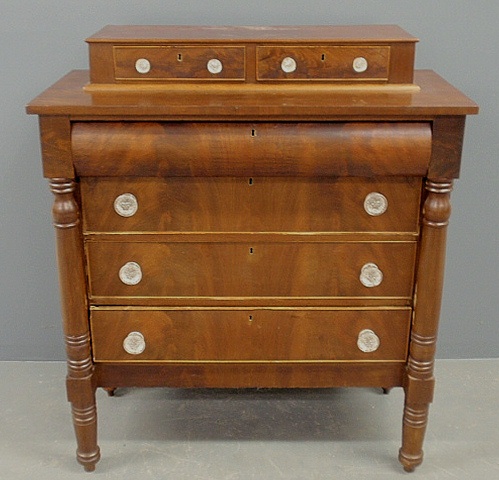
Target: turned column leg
x: 79, y: 381
x: 419, y: 380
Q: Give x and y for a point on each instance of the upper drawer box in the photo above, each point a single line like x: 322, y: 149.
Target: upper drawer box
x: 331, y: 54
x: 182, y: 62
x: 184, y: 149
x: 323, y: 63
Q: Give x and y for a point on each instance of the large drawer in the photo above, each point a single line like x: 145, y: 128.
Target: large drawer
x: 183, y: 149
x: 280, y: 269
x: 246, y: 335
x: 252, y: 204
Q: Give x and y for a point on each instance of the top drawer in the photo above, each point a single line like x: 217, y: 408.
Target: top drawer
x: 182, y: 62
x: 191, y: 149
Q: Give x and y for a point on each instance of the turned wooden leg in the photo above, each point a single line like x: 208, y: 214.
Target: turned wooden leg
x: 80, y: 386
x: 419, y: 381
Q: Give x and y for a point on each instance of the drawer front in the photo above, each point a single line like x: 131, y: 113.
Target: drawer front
x: 353, y: 63
x: 181, y: 62
x: 186, y: 149
x: 122, y: 269
x: 250, y: 335
x: 250, y: 204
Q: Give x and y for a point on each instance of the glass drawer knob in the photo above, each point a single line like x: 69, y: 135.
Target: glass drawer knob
x: 142, y: 65
x: 126, y: 205
x: 375, y: 204
x: 130, y: 273
x: 360, y: 64
x: 368, y: 341
x: 371, y: 275
x: 134, y: 343
x: 288, y: 65
x: 214, y: 66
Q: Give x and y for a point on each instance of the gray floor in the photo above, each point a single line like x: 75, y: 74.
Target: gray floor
x: 263, y: 434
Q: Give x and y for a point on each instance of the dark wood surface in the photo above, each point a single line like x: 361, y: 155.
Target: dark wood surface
x: 251, y: 229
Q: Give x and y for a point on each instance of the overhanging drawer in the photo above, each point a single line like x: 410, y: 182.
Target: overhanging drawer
x: 237, y: 149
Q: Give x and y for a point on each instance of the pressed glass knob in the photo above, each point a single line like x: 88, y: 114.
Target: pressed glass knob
x: 134, y: 343
x: 360, y: 64
x: 214, y: 66
x: 371, y: 275
x: 375, y: 204
x: 142, y: 65
x: 288, y: 65
x: 368, y: 341
x: 130, y: 273
x: 126, y: 205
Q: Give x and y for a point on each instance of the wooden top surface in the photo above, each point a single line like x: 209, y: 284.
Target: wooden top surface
x: 256, y: 102
x: 230, y: 34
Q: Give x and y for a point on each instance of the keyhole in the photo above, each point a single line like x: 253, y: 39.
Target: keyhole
x: 179, y: 57
x: 250, y: 318
x: 253, y: 132
x: 323, y: 57
x: 251, y: 250
x: 250, y: 181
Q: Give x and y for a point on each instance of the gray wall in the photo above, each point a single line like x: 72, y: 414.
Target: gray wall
x: 41, y: 41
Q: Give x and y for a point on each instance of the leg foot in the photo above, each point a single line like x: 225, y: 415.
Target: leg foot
x: 410, y: 462
x: 110, y: 391
x: 414, y: 427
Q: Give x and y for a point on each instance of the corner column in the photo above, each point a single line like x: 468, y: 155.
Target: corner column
x: 419, y: 381
x: 79, y: 380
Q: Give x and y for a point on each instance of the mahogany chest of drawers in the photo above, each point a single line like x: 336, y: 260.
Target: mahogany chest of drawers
x: 251, y: 207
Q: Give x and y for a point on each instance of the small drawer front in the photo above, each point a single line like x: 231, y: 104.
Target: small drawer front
x: 251, y: 204
x: 249, y: 335
x: 141, y: 269
x: 182, y: 62
x: 330, y: 63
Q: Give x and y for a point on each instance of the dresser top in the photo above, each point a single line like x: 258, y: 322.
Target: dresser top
x: 237, y: 34
x: 322, y: 102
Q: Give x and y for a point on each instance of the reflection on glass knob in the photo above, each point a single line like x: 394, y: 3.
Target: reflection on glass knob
x: 360, y: 64
x: 214, y: 65
x: 371, y: 275
x: 130, y: 273
x: 134, y: 343
x: 142, y: 65
x: 375, y: 204
x: 368, y: 341
x: 126, y: 205
x: 288, y: 65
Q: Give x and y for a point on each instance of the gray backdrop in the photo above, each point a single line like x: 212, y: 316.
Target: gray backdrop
x: 41, y: 41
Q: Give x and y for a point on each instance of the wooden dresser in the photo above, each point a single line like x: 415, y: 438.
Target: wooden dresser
x: 251, y: 207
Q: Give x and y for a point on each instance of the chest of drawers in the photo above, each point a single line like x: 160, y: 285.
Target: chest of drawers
x: 251, y: 207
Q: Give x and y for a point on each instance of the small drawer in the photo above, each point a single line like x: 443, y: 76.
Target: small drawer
x: 249, y: 335
x: 251, y: 204
x: 179, y: 62
x: 340, y: 63
x: 287, y: 269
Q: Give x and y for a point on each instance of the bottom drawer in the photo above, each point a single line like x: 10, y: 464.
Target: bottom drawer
x: 252, y: 335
